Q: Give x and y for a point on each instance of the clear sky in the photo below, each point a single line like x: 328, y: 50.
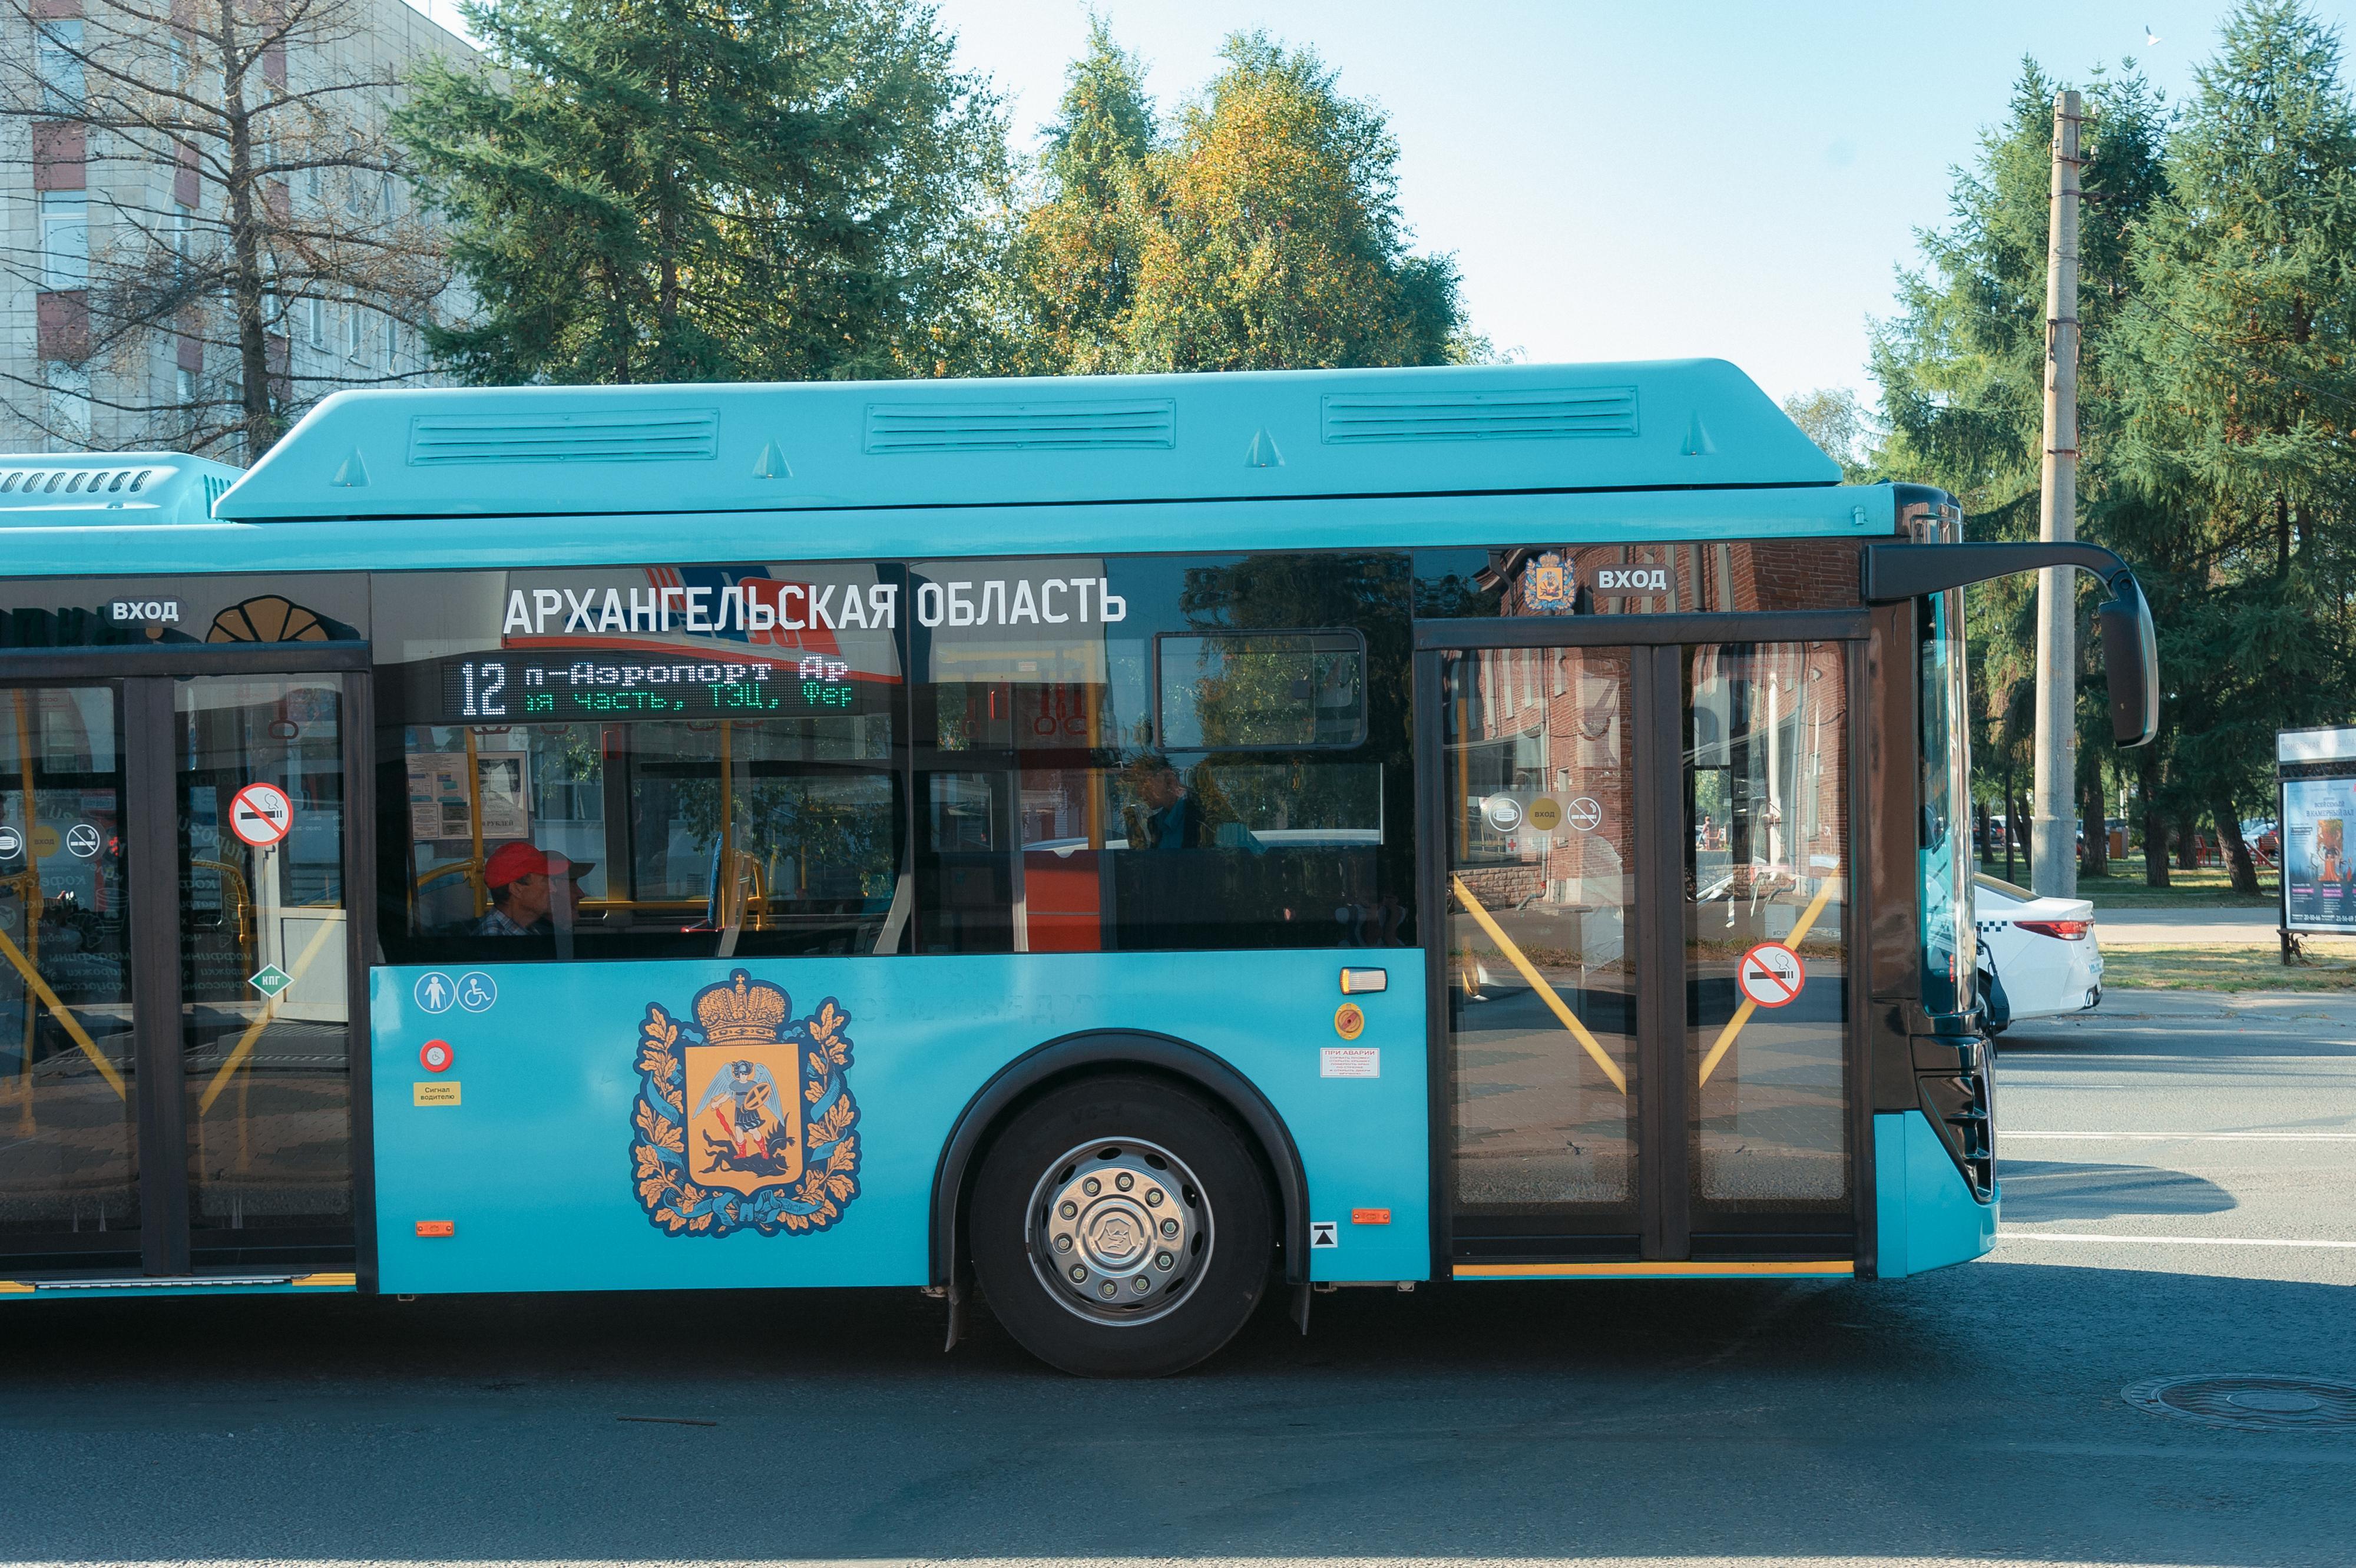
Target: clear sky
x: 1638, y: 181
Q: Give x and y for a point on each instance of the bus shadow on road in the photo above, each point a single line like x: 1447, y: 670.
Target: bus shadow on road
x: 2037, y: 1190
x: 1508, y: 1421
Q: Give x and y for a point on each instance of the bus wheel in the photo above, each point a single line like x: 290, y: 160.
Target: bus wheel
x: 1121, y: 1228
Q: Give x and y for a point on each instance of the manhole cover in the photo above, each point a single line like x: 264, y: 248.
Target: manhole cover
x: 2256, y: 1402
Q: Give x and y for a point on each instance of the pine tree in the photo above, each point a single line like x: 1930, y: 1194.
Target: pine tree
x: 1077, y: 251
x: 663, y: 190
x: 1962, y: 369
x: 2240, y: 402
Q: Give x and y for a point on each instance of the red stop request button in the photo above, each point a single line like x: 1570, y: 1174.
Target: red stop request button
x: 436, y: 1057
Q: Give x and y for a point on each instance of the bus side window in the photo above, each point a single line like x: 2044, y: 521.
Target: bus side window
x: 1162, y: 782
x: 694, y: 792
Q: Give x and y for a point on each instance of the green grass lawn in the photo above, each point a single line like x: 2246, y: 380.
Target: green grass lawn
x: 2209, y: 887
x: 2226, y: 969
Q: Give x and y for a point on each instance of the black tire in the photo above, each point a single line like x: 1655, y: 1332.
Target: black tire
x: 1207, y: 1295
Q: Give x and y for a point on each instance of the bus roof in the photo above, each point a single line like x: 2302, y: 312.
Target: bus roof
x: 578, y: 451
x: 528, y: 476
x: 113, y: 490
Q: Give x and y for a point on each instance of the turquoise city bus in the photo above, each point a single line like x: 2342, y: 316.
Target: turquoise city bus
x: 1120, y: 848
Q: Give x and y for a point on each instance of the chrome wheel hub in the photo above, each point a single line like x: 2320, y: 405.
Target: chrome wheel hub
x: 1119, y: 1231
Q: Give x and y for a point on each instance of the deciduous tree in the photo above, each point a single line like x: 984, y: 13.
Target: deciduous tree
x: 1259, y: 231
x: 223, y: 172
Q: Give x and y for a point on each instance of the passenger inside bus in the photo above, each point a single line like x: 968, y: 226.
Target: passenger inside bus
x: 530, y: 890
x: 1166, y: 814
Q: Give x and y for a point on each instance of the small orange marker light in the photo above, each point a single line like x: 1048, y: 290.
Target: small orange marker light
x: 1370, y: 1216
x: 437, y: 1228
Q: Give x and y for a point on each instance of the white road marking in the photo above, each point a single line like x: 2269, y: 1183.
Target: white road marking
x: 2192, y: 1137
x: 2167, y: 1240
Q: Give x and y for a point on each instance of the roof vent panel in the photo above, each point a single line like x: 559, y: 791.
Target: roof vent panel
x: 687, y: 436
x: 1536, y: 416
x: 1100, y: 425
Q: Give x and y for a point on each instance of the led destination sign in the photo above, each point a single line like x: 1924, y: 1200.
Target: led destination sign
x: 554, y: 688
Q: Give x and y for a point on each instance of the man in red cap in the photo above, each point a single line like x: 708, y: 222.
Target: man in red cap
x: 525, y: 884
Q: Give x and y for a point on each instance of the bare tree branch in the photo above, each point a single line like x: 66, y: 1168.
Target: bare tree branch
x: 251, y: 241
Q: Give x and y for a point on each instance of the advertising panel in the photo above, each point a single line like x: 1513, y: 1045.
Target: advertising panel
x: 2319, y: 832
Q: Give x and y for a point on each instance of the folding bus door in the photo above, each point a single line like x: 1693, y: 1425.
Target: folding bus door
x: 1636, y: 874
x: 180, y: 896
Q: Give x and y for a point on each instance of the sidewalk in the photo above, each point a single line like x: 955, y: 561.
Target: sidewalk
x: 2277, y: 1009
x: 2186, y: 928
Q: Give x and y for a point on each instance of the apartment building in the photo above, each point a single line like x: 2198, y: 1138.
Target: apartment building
x: 173, y: 171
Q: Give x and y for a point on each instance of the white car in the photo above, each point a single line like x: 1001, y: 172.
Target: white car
x: 2044, y: 949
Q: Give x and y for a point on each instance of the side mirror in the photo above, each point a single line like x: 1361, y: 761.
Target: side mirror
x: 2130, y: 661
x: 1894, y: 574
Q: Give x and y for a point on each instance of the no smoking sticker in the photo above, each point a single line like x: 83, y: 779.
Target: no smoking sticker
x: 1772, y: 974
x: 261, y: 814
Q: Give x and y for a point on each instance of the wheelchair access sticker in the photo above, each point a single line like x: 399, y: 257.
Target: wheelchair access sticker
x: 1772, y: 974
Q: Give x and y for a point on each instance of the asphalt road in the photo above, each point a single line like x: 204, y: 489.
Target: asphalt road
x: 1970, y: 1415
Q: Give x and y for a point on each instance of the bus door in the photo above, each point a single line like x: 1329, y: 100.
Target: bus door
x: 180, y: 970
x: 1637, y: 863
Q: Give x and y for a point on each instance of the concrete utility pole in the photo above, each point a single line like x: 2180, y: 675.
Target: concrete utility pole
x: 2054, y: 840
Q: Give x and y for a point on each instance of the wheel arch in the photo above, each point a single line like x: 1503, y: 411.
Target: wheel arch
x: 1069, y: 1057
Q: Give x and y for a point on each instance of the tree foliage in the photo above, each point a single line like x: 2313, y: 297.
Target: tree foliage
x: 1260, y: 231
x: 2216, y: 399
x: 1834, y: 419
x: 1078, y: 251
x: 2237, y: 411
x: 694, y: 190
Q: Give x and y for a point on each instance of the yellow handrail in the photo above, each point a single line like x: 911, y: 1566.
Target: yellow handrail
x: 475, y: 818
x: 232, y: 876
x: 15, y: 955
x: 244, y: 1048
x: 1800, y: 930
x: 1537, y: 984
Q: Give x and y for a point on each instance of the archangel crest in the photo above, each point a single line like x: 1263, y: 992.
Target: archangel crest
x: 742, y: 1119
x: 1547, y: 589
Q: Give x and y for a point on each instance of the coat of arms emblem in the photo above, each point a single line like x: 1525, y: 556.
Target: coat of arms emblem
x: 742, y: 1119
x: 1547, y: 589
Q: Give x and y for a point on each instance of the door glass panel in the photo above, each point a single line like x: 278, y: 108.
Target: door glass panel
x: 1541, y: 890
x: 69, y: 1122
x: 264, y: 991
x: 1766, y: 795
